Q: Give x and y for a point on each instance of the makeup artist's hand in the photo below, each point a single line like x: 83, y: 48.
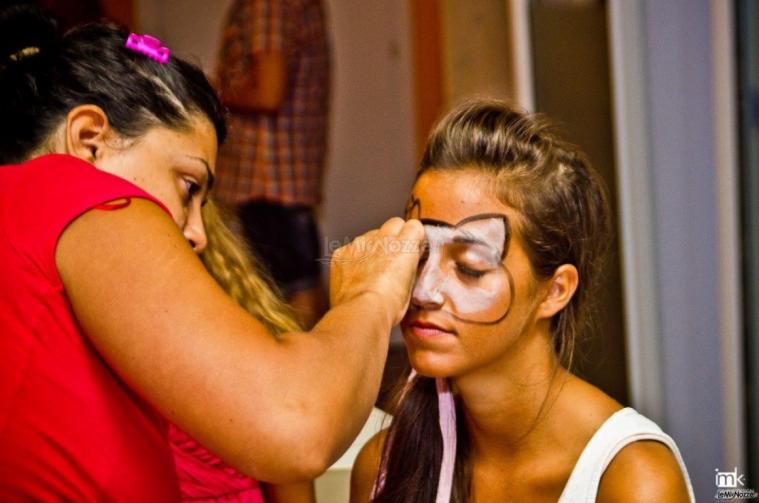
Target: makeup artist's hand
x: 382, y: 262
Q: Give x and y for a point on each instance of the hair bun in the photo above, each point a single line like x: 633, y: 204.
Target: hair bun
x: 25, y: 31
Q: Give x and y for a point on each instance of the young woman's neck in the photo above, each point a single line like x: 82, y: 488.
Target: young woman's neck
x: 505, y: 404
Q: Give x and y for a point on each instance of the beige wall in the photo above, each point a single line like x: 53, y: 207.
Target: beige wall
x: 371, y: 161
x: 476, y: 49
x: 191, y: 28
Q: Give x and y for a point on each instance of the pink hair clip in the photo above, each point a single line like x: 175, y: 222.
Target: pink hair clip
x: 149, y: 46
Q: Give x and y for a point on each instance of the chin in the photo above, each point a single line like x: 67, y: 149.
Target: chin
x: 433, y: 365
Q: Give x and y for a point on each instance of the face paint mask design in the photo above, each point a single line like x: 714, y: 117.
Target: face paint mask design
x: 463, y: 265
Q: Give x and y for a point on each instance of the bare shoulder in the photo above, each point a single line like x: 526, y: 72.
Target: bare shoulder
x: 366, y: 467
x: 644, y: 471
x: 579, y: 412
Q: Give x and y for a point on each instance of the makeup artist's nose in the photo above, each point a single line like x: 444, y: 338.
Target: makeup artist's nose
x: 194, y: 231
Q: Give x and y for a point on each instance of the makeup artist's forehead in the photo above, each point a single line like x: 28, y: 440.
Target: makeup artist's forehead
x: 451, y: 196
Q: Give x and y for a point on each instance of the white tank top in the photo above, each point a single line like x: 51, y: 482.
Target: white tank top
x: 621, y: 429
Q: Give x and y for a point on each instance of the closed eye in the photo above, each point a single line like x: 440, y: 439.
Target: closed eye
x: 472, y: 273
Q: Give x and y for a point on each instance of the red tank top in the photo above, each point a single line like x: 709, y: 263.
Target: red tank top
x: 204, y: 478
x: 70, y: 429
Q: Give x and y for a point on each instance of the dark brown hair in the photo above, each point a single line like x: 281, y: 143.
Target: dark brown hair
x: 44, y: 74
x: 563, y: 219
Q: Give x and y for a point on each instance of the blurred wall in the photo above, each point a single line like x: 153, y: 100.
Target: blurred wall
x: 572, y: 86
x: 666, y: 89
x: 190, y: 28
x: 477, y: 54
x: 682, y: 162
x: 372, y: 156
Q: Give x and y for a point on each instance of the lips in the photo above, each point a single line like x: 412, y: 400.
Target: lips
x: 426, y: 329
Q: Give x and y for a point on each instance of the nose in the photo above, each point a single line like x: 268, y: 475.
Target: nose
x: 195, y: 232
x: 427, y: 292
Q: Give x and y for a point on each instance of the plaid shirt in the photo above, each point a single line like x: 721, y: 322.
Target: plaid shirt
x: 276, y: 157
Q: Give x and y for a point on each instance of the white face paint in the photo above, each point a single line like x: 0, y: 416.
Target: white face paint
x: 463, y: 270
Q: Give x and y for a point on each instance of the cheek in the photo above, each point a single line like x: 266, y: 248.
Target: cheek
x: 180, y: 218
x: 170, y: 194
x: 178, y: 212
x: 486, y: 301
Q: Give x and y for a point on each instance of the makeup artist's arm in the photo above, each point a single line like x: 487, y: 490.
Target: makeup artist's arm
x: 277, y: 409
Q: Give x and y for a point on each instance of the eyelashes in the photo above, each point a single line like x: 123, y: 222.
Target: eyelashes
x: 463, y: 269
x: 469, y: 272
x: 192, y: 189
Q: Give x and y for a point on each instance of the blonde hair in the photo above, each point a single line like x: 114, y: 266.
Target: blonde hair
x: 238, y: 272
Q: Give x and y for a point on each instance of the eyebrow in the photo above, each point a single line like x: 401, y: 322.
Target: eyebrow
x: 470, y: 239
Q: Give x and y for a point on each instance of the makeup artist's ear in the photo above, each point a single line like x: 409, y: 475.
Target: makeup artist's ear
x: 561, y: 288
x: 86, y: 130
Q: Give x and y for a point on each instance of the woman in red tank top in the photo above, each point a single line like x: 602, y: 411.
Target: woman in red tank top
x: 109, y: 323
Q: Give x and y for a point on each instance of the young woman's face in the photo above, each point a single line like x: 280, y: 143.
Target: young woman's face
x: 175, y: 167
x: 475, y: 292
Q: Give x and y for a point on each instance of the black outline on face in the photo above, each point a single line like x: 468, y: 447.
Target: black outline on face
x: 413, y: 204
x: 507, y: 240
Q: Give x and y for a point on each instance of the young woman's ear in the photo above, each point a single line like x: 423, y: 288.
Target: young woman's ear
x: 86, y: 130
x: 561, y: 288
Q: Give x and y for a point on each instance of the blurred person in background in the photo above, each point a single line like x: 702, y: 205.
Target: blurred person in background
x: 273, y: 75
